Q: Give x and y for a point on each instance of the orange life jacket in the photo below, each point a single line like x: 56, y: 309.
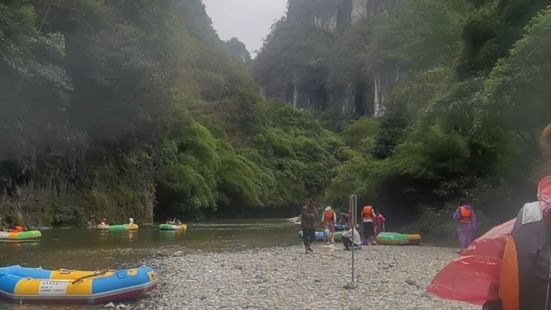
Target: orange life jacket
x: 367, y: 212
x: 329, y: 216
x: 465, y: 215
x: 17, y: 229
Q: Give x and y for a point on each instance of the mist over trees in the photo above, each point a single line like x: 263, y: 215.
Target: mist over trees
x: 110, y: 109
x: 462, y: 117
x: 136, y: 108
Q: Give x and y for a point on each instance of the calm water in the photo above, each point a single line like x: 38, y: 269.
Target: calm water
x: 90, y: 249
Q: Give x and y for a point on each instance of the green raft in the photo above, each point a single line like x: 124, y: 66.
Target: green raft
x: 173, y: 227
x: 118, y: 228
x: 20, y: 236
x: 390, y: 238
x: 321, y: 234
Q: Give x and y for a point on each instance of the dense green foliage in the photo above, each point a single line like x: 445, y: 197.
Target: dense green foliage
x: 463, y: 114
x: 463, y: 122
x: 109, y: 107
x: 287, y: 160
x: 239, y: 51
x: 112, y: 107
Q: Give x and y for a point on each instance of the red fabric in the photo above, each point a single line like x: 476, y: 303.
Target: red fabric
x: 473, y: 277
x: 17, y: 229
x: 328, y: 216
x: 544, y: 190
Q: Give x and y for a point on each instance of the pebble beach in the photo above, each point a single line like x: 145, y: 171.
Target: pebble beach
x: 286, y: 278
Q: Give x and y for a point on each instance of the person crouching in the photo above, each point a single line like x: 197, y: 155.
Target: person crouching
x: 348, y: 241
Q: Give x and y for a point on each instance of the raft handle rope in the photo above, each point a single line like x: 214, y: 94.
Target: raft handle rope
x: 95, y: 274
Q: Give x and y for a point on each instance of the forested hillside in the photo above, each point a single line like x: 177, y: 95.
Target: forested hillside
x: 134, y: 108
x: 462, y: 117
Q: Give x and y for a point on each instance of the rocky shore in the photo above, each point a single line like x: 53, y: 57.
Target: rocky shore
x: 286, y: 278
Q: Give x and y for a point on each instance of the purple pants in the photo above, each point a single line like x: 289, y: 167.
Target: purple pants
x: 465, y: 235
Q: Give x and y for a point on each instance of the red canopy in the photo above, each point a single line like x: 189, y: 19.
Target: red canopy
x: 473, y: 277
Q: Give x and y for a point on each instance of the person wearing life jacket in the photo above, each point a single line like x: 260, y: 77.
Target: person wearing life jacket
x: 17, y: 229
x: 368, y: 219
x: 329, y: 218
x: 525, y: 278
x: 466, y: 224
x: 379, y: 220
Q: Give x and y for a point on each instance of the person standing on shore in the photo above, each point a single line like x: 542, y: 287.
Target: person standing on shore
x: 308, y: 222
x: 329, y: 218
x: 368, y: 216
x: 466, y: 224
x: 525, y: 279
x: 379, y: 223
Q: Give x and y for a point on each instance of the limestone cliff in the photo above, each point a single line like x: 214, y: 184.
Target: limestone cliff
x: 70, y: 189
x: 306, y: 59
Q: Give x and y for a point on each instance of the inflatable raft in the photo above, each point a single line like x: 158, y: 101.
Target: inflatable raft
x: 20, y: 236
x: 181, y: 227
x: 115, y: 228
x: 321, y: 234
x: 36, y: 285
x: 389, y: 238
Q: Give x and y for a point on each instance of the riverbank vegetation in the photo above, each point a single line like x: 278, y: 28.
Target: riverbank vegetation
x: 462, y: 117
x: 130, y: 108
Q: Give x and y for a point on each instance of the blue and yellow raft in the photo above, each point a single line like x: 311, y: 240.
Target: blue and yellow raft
x: 36, y: 285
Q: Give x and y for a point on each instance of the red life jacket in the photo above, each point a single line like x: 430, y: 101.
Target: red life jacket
x: 367, y: 212
x: 465, y: 215
x: 17, y: 229
x: 328, y: 216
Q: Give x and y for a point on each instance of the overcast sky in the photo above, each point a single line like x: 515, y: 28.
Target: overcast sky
x: 248, y: 20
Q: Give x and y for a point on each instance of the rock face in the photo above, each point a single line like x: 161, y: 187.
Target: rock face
x: 363, y: 95
x: 66, y: 189
x: 359, y: 10
x: 321, y: 14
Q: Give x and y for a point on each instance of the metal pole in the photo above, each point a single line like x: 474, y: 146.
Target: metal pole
x: 353, y: 230
x: 353, y: 217
x: 352, y: 208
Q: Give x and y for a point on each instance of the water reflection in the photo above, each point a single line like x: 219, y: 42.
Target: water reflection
x: 97, y: 249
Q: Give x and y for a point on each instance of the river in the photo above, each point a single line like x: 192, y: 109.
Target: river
x: 237, y: 264
x: 90, y: 249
